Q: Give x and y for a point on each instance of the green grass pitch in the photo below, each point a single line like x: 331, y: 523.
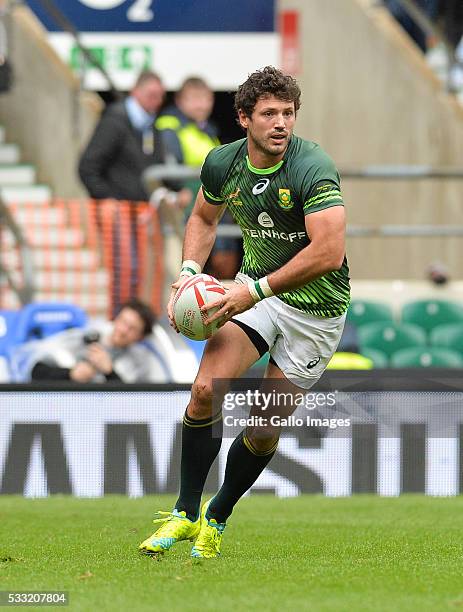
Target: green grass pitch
x: 306, y: 553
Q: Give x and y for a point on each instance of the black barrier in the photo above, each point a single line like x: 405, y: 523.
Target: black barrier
x: 413, y: 379
x: 402, y: 431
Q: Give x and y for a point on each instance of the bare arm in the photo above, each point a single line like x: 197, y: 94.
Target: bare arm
x: 201, y: 230
x: 199, y: 238
x: 325, y: 253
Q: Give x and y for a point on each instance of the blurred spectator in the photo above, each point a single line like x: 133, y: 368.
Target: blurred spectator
x: 124, y: 144
x: 5, y: 66
x: 453, y: 28
x: 438, y: 274
x: 442, y: 51
x: 429, y: 7
x: 189, y: 135
x: 104, y: 352
x: 445, y: 54
x: 452, y: 12
x: 187, y: 131
x: 456, y: 73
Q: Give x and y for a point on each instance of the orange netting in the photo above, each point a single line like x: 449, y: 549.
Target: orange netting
x: 96, y: 254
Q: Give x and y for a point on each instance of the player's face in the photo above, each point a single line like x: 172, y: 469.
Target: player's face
x: 128, y: 328
x: 269, y: 129
x: 149, y: 95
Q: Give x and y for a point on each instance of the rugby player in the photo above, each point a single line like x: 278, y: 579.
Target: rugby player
x: 290, y: 296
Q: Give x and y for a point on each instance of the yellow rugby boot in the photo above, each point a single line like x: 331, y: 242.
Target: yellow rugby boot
x: 208, y: 542
x: 175, y: 527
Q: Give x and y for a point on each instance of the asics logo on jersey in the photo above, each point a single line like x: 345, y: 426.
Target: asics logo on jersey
x: 313, y: 363
x: 260, y: 186
x: 265, y: 220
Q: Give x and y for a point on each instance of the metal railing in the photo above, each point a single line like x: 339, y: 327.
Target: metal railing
x: 178, y: 172
x: 403, y: 172
x: 154, y: 175
x: 26, y: 291
x: 383, y: 231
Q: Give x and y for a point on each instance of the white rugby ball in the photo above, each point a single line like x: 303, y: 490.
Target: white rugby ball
x: 193, y: 293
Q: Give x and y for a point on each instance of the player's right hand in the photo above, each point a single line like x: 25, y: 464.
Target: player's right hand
x: 236, y: 300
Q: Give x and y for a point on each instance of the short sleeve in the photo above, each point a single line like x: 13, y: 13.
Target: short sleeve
x: 211, y: 179
x: 321, y: 187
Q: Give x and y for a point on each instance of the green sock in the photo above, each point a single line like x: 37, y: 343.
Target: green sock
x: 244, y: 465
x: 201, y: 440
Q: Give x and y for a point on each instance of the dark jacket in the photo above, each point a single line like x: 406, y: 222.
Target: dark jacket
x: 112, y: 164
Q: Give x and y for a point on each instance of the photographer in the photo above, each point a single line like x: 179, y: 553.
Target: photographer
x: 109, y: 352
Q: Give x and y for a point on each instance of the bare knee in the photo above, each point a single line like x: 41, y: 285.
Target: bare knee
x: 200, y: 406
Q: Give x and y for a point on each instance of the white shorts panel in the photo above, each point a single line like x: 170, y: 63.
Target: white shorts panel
x: 300, y: 344
x: 306, y: 344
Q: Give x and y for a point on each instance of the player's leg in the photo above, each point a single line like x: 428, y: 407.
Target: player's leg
x: 248, y: 456
x: 299, y: 357
x: 303, y: 348
x: 254, y: 447
x: 227, y: 355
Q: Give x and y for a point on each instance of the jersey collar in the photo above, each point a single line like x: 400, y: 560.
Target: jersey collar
x: 263, y: 170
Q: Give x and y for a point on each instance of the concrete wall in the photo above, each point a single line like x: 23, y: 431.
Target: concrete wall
x: 369, y: 98
x: 45, y: 113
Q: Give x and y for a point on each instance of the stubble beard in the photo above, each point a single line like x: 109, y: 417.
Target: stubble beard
x: 262, y: 147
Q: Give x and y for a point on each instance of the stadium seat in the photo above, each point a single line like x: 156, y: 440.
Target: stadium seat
x: 40, y: 320
x: 362, y: 312
x: 431, y: 313
x: 448, y: 336
x: 4, y: 370
x: 426, y: 357
x: 390, y: 337
x: 7, y: 330
x: 379, y: 359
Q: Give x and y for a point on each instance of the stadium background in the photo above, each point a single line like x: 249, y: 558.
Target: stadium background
x: 369, y: 98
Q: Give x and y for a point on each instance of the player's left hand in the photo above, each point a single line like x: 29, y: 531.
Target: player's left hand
x: 236, y: 300
x: 99, y: 358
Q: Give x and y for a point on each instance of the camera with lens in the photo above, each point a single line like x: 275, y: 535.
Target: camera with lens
x: 91, y: 337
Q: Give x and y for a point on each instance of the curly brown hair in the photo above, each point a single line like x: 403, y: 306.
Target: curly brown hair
x: 264, y: 83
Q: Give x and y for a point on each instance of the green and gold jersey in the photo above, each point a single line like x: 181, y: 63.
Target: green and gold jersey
x: 270, y: 206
